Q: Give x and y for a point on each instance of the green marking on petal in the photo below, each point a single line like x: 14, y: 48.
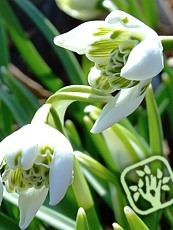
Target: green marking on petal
x: 101, y: 31
x: 46, y: 150
x: 17, y: 159
x: 124, y: 19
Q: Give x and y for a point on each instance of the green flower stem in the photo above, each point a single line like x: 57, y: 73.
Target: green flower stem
x: 43, y: 116
x: 167, y: 42
x: 99, y: 170
x: 154, y: 122
x: 81, y: 221
x: 56, y: 119
x: 67, y: 95
x: 83, y: 196
x: 79, y: 93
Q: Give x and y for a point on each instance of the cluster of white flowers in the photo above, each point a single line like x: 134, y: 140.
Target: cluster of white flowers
x: 37, y: 158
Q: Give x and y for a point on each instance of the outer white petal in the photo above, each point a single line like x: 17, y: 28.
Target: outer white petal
x: 145, y: 60
x: 29, y: 204
x: 116, y: 17
x: 122, y: 105
x: 79, y: 38
x: 60, y: 170
x: 1, y: 190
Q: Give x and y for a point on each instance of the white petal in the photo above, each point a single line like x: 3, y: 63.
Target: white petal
x: 1, y: 190
x: 116, y: 17
x: 145, y: 60
x: 60, y: 171
x: 79, y: 38
x: 122, y: 105
x: 29, y: 204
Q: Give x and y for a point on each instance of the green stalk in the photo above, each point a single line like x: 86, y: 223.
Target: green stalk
x: 167, y: 42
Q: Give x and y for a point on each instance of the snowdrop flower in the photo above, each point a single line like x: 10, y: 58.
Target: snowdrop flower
x: 35, y: 159
x: 80, y: 9
x: 127, y: 55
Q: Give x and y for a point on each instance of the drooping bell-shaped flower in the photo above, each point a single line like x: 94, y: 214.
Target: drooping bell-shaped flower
x: 127, y: 55
x: 35, y: 159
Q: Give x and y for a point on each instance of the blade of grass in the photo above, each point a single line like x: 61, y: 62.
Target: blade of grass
x: 4, y: 54
x: 15, y: 107
x: 154, y: 123
x: 135, y: 9
x: 28, y: 101
x: 150, y: 11
x: 27, y: 49
x: 67, y: 58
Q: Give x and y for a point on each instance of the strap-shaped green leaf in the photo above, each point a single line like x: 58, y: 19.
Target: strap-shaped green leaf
x: 67, y: 58
x: 27, y: 49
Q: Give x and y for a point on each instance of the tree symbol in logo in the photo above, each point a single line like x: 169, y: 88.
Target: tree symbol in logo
x: 153, y: 178
x: 150, y: 186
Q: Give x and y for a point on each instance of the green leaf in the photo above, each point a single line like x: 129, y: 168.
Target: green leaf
x: 26, y: 48
x: 134, y: 221
x: 83, y: 196
x: 67, y: 58
x: 81, y: 221
x: 154, y: 123
x: 28, y: 101
x: 7, y: 222
x: 4, y: 54
x: 116, y: 226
